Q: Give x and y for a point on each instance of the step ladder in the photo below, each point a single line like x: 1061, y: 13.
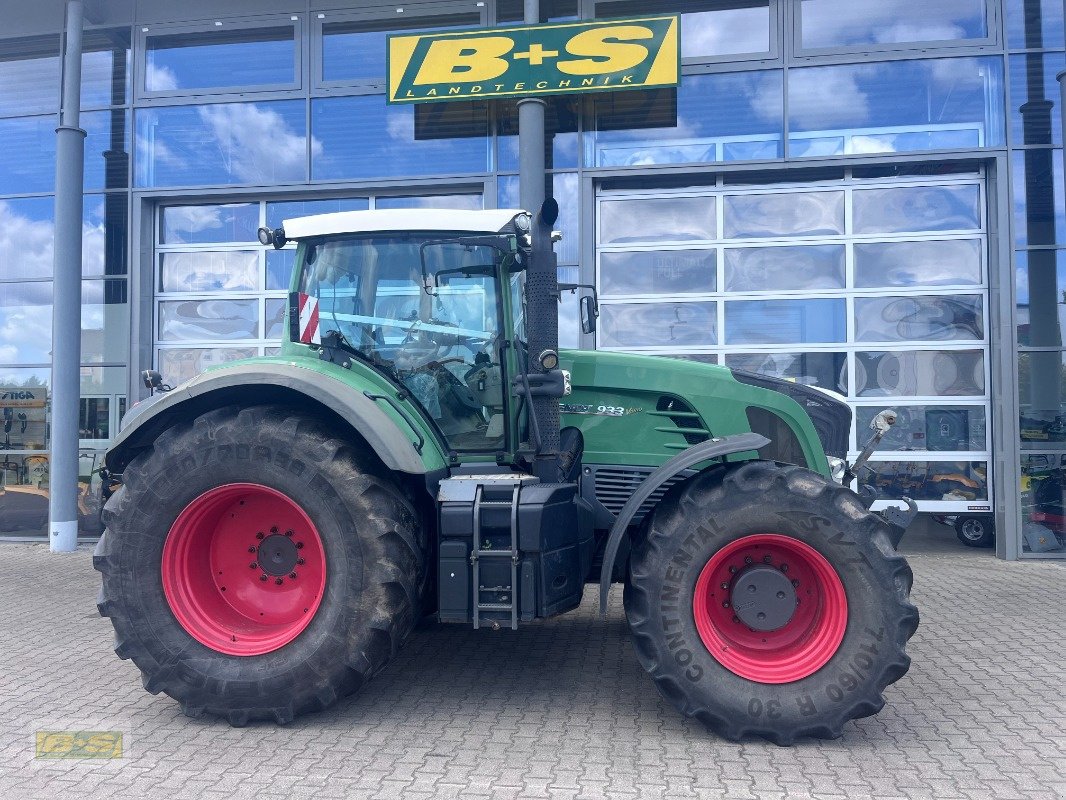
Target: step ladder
x: 477, y: 554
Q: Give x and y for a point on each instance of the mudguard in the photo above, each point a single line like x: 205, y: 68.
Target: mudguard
x: 146, y: 420
x: 713, y: 448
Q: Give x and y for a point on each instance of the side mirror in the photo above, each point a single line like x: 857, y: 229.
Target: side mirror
x: 590, y: 310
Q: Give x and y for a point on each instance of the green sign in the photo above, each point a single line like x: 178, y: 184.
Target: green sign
x: 596, y: 56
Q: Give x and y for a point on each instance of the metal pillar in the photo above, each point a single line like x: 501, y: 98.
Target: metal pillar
x: 531, y: 176
x: 66, y: 296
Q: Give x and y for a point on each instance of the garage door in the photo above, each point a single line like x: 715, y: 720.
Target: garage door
x: 873, y: 288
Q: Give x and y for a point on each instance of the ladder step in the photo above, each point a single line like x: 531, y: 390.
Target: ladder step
x: 494, y: 607
x: 496, y: 553
x: 507, y: 504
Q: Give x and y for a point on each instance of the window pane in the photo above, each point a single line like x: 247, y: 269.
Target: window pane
x: 107, y: 156
x: 1042, y: 399
x: 917, y: 373
x: 355, y: 50
x: 928, y: 427
x: 1034, y: 98
x: 785, y: 321
x: 225, y: 271
x: 1034, y: 23
x: 896, y: 106
x: 28, y: 155
x: 791, y: 214
x: 26, y: 235
x: 721, y: 117
x: 828, y: 370
x: 105, y: 234
x: 30, y: 85
x: 708, y: 27
x: 462, y: 202
x: 926, y: 263
x: 560, y: 126
x: 179, y: 365
x: 277, y: 213
x: 24, y: 401
x: 550, y: 10
x: 231, y: 222
x: 1043, y: 503
x: 24, y: 509
x: 835, y: 23
x: 657, y: 272
x: 930, y: 480
x: 105, y: 322
x: 660, y: 220
x: 105, y: 68
x: 209, y: 59
x: 274, y: 318
x: 279, y: 268
x: 362, y: 137
x: 564, y: 188
x: 1040, y: 277
x: 1039, y: 208
x: 760, y: 269
x: 657, y: 324
x: 917, y: 208
x: 26, y: 323
x: 932, y: 319
x: 229, y: 143
x: 206, y: 320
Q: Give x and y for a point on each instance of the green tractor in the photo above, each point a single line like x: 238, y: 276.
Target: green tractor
x: 420, y: 449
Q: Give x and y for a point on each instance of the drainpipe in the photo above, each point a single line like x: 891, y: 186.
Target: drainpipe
x: 66, y: 296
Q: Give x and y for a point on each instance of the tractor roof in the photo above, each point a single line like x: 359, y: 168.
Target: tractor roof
x: 400, y: 219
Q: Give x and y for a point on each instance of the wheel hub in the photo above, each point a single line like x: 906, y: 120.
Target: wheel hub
x: 277, y: 555
x: 763, y: 598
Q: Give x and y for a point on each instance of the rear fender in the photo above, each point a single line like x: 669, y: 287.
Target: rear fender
x: 304, y: 389
x: 704, y: 451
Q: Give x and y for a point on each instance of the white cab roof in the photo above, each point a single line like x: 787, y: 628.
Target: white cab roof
x: 401, y: 219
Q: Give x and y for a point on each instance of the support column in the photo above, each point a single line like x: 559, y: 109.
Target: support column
x: 531, y: 176
x: 66, y: 296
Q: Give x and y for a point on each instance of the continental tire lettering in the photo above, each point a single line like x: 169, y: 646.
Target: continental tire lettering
x: 607, y: 50
x: 674, y: 640
x: 756, y: 708
x: 694, y: 673
x: 682, y: 558
x: 683, y: 656
x: 469, y: 60
x: 674, y: 575
x: 669, y: 594
x: 806, y: 705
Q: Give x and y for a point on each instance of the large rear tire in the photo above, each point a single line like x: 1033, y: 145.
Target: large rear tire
x: 257, y: 567
x: 766, y: 600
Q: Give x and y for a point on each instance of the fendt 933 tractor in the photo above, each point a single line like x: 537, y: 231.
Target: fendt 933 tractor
x: 276, y: 527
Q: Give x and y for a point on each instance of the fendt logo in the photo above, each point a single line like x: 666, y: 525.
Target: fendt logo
x: 534, y: 60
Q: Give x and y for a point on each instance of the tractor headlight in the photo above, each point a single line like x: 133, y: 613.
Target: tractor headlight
x: 837, y: 468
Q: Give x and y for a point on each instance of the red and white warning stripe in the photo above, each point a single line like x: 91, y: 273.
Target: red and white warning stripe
x: 309, y: 319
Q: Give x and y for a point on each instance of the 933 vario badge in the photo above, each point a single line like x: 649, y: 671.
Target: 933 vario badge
x: 597, y: 410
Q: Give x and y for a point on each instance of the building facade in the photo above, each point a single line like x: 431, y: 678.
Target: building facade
x: 866, y: 196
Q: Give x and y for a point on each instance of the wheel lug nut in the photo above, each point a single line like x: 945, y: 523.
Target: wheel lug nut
x: 725, y: 605
x: 292, y: 575
x: 274, y: 529
x: 725, y: 585
x: 278, y: 581
x: 260, y: 535
x: 288, y: 533
x: 736, y: 618
x: 251, y: 549
x: 766, y: 559
x: 761, y: 615
x: 780, y: 595
x: 795, y: 583
x: 262, y: 577
x: 784, y: 567
x: 747, y: 559
x: 300, y: 561
x: 299, y: 545
x: 253, y: 565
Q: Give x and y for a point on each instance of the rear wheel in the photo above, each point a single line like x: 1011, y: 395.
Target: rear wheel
x: 765, y: 600
x: 976, y: 531
x: 256, y: 567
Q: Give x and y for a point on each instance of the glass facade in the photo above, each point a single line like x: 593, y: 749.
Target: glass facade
x: 823, y: 197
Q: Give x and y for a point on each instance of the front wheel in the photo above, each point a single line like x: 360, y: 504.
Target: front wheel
x: 766, y: 600
x: 976, y: 531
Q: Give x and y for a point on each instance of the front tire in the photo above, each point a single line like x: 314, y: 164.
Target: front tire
x: 257, y: 567
x: 976, y: 531
x: 766, y: 600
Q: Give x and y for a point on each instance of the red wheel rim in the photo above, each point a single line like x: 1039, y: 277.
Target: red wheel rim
x: 228, y: 566
x: 803, y: 644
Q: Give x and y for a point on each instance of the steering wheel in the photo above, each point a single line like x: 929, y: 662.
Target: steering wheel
x: 417, y: 349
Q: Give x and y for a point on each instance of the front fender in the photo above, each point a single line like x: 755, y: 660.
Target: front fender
x: 704, y: 451
x: 264, y: 382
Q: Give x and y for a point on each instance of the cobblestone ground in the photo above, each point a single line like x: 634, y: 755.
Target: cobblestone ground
x: 558, y: 709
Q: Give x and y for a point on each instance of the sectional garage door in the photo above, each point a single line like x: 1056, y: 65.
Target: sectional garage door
x: 873, y: 288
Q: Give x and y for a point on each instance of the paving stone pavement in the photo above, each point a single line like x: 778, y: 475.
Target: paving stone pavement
x: 559, y: 708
